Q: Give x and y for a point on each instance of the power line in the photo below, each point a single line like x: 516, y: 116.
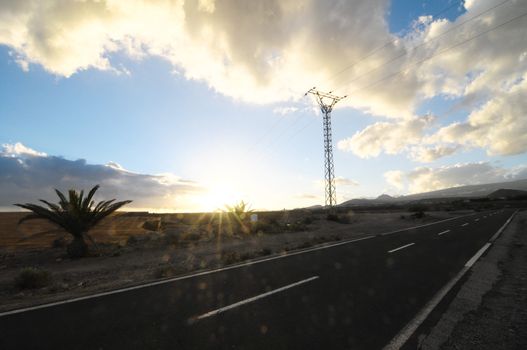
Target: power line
x: 260, y: 155
x: 266, y: 133
x: 273, y: 127
x: 422, y: 44
x: 371, y: 53
x: 289, y: 139
x: 369, y: 86
x: 326, y: 108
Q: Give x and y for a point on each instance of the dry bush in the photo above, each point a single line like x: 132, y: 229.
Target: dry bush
x: 32, y: 278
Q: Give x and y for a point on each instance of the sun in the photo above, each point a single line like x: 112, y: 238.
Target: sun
x: 217, y: 196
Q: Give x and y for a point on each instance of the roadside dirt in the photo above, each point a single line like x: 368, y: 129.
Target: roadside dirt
x: 500, y: 321
x: 130, y: 254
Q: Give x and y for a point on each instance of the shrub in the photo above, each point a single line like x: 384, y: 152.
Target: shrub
x: 32, y: 278
x: 59, y: 243
x: 131, y: 240
x: 305, y: 245
x: 265, y: 251
x: 308, y: 220
x: 332, y: 217
x: 164, y: 272
x: 192, y: 236
x: 418, y: 210
x: 295, y: 227
x: 152, y: 225
x: 341, y: 219
x: 171, y: 238
x: 230, y: 258
x: 418, y: 215
x: 267, y: 226
x: 248, y: 256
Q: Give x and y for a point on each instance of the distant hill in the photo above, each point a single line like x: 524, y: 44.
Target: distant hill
x: 316, y: 206
x: 471, y: 191
x: 382, y: 199
x: 507, y: 194
x: 385, y: 198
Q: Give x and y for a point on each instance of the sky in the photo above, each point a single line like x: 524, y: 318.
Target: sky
x: 191, y: 105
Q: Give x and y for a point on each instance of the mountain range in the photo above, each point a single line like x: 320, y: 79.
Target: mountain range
x: 493, y: 190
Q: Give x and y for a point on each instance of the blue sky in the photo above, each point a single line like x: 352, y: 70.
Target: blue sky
x: 154, y: 114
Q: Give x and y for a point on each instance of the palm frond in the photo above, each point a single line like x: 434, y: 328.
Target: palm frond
x: 63, y: 201
x: 103, y: 204
x: 28, y: 217
x: 107, y: 210
x: 88, y: 200
x: 33, y: 235
x: 52, y: 206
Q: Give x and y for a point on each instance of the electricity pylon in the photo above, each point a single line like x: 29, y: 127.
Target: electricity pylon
x: 327, y: 101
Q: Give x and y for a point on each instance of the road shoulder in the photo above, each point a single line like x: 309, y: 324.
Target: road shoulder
x: 490, y: 308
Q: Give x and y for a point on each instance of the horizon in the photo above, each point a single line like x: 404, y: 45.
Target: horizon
x: 180, y: 110
x: 258, y: 210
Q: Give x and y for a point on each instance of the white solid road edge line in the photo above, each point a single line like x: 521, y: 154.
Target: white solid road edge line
x: 497, y: 234
x: 442, y: 233
x: 169, y: 280
x: 121, y: 290
x: 402, y: 247
x: 402, y: 337
x: 250, y: 300
x: 476, y: 256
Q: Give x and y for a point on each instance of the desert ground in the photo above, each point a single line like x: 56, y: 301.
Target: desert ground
x: 133, y: 248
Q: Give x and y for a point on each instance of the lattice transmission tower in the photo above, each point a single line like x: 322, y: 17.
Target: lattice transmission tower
x: 327, y: 101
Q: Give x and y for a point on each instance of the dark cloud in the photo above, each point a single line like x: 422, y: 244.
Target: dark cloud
x: 26, y: 178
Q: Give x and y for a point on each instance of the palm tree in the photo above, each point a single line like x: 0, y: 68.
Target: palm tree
x: 240, y: 213
x: 76, y: 215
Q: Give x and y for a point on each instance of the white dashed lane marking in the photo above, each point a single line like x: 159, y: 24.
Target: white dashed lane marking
x: 404, y: 246
x: 250, y: 300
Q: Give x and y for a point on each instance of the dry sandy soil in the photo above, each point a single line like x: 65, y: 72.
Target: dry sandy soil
x: 132, y: 252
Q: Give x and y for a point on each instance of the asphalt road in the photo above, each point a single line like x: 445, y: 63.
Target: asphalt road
x: 356, y: 295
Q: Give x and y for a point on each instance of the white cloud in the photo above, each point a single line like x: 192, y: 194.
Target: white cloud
x: 339, y: 181
x: 257, y: 50
x: 285, y: 110
x: 27, y: 175
x: 395, y: 178
x: 115, y: 165
x: 18, y: 149
x: 309, y: 196
x: 499, y: 126
x: 429, y: 154
x: 273, y: 50
x: 425, y: 179
x: 342, y: 181
x: 388, y: 137
x: 207, y: 5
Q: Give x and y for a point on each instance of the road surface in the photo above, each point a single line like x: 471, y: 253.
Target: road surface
x: 353, y: 295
